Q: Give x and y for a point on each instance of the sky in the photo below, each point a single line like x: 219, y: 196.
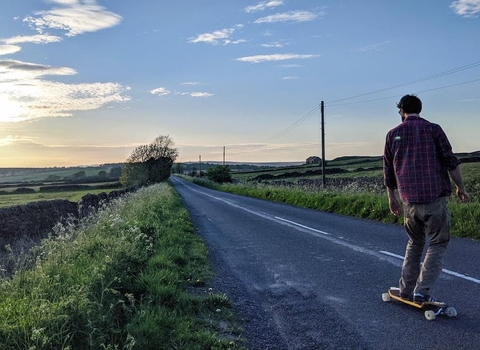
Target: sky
x: 84, y: 82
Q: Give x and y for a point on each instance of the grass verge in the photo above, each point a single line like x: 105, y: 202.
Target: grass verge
x: 131, y: 276
x: 365, y: 205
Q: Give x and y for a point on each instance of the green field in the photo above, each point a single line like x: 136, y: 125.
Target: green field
x: 73, y: 183
x: 8, y: 200
x: 25, y: 175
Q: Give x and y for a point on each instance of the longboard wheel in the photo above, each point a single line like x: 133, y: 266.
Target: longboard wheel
x: 450, y: 312
x: 430, y: 315
x: 386, y: 297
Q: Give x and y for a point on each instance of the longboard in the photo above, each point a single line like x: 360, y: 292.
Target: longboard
x: 432, y: 309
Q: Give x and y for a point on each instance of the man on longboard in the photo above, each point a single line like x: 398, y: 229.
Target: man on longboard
x: 417, y: 162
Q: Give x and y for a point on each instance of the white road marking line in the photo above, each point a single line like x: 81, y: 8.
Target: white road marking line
x: 303, y: 226
x: 392, y: 255
x: 448, y: 272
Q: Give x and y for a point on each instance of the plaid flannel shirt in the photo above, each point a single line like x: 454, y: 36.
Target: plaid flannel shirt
x: 416, y: 161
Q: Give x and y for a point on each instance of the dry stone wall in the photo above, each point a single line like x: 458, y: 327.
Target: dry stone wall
x: 34, y: 219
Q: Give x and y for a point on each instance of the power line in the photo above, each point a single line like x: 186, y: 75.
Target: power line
x: 280, y: 134
x: 430, y: 77
x: 298, y: 122
x: 420, y: 80
x: 421, y: 91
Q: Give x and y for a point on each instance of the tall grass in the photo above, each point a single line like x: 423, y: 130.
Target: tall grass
x: 367, y: 202
x: 121, y: 279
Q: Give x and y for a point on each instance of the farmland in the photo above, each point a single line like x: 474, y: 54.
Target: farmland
x: 24, y: 185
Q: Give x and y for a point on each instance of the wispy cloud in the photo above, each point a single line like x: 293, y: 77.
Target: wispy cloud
x: 290, y: 78
x: 9, y: 49
x: 274, y: 57
x: 292, y: 16
x: 222, y: 36
x: 74, y: 17
x: 35, y: 39
x: 200, y: 94
x: 263, y: 6
x: 13, y: 70
x: 373, y: 47
x: 160, y: 91
x: 466, y: 8
x: 192, y: 83
x: 25, y: 93
x: 290, y: 65
x: 275, y: 44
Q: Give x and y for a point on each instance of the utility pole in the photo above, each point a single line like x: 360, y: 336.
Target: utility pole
x: 200, y: 164
x: 223, y: 155
x: 322, y: 110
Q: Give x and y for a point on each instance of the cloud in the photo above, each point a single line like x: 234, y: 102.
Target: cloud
x: 35, y: 39
x: 290, y: 65
x: 290, y: 78
x: 25, y: 94
x: 275, y: 44
x: 292, y: 16
x: 466, y: 8
x: 263, y: 6
x: 373, y: 47
x: 9, y: 49
x: 45, y: 99
x: 274, y: 57
x: 200, y: 94
x: 216, y: 37
x: 192, y: 83
x: 75, y: 17
x: 13, y: 70
x: 161, y: 91
x: 234, y: 42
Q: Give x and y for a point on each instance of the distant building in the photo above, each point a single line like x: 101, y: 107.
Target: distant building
x: 314, y: 160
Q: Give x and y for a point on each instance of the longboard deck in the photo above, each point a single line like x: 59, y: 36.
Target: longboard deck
x: 395, y: 294
x: 432, y: 309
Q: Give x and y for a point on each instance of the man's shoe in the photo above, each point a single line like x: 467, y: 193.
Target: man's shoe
x: 406, y: 296
x: 421, y: 298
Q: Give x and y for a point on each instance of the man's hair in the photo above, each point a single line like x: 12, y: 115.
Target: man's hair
x: 410, y: 104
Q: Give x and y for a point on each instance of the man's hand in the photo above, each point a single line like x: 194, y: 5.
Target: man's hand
x: 394, y: 206
x: 457, y: 178
x: 462, y: 194
x: 393, y: 202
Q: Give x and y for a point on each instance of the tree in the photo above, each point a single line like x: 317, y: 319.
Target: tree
x: 79, y: 175
x: 150, y: 163
x: 220, y: 174
x: 162, y: 146
x: 178, y: 168
x: 115, y: 172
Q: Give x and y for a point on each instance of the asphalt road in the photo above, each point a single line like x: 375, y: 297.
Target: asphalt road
x: 305, y: 279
